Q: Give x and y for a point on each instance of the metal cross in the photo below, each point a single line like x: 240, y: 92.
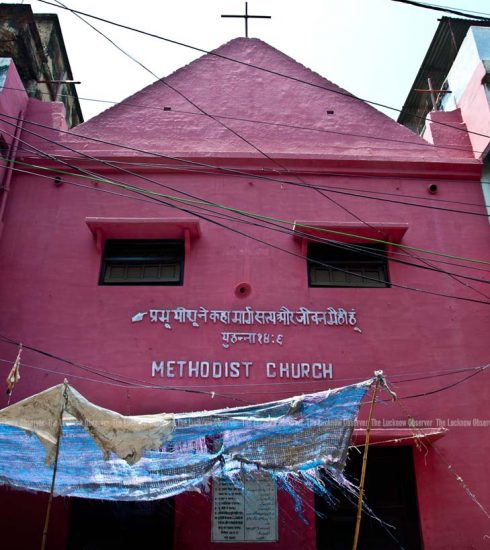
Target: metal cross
x: 247, y: 17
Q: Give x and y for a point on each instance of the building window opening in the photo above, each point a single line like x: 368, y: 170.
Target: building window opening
x: 355, y: 265
x: 143, y: 262
x: 391, y: 495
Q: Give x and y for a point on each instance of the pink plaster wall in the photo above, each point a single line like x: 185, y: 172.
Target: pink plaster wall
x: 475, y: 110
x: 472, y: 115
x: 49, y: 268
x: 447, y: 129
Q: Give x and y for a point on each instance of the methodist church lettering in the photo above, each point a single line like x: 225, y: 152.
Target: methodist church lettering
x: 239, y: 369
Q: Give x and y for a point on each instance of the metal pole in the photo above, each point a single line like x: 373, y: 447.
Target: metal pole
x: 246, y: 19
x: 432, y: 94
x: 53, y: 479
x: 364, y: 465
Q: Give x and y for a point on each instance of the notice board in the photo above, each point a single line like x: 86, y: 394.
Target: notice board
x: 245, y: 515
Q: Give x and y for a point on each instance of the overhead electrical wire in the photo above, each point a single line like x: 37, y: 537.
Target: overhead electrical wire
x: 447, y: 9
x: 156, y: 76
x: 178, y: 92
x: 319, y: 174
x: 394, y: 285
x: 260, y: 151
x: 454, y: 276
x: 435, y: 391
x: 272, y: 227
x: 264, y: 154
x: 450, y: 469
x: 207, y: 202
x: 112, y: 376
x: 151, y: 193
x: 186, y: 210
x: 236, y: 172
x: 154, y: 194
x: 418, y: 395
x: 157, y: 165
x: 442, y: 388
x: 143, y: 386
x: 256, y: 148
x: 246, y: 140
x: 171, y: 111
x: 251, y: 144
x: 331, y: 188
x: 272, y: 385
x: 243, y: 174
x: 217, y: 205
x: 134, y: 383
x: 257, y: 67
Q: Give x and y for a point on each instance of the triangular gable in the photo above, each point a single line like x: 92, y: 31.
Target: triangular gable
x: 159, y: 119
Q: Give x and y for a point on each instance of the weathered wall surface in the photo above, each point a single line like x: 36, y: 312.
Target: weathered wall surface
x: 35, y: 43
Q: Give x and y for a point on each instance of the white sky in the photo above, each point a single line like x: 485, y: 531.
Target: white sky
x: 373, y: 48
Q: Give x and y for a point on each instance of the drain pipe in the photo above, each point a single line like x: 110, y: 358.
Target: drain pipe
x: 7, y: 177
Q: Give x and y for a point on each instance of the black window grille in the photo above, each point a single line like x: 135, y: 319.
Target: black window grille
x: 142, y: 262
x: 347, y: 265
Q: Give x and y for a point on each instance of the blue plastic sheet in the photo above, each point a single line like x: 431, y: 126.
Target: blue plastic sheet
x: 292, y: 437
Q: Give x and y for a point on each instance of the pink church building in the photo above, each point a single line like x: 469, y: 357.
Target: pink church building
x: 153, y: 255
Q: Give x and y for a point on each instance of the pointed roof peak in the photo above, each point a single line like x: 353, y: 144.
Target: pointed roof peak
x: 245, y: 97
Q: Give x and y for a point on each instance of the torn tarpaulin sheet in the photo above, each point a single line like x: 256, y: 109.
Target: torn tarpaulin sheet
x: 126, y: 436
x: 178, y: 452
